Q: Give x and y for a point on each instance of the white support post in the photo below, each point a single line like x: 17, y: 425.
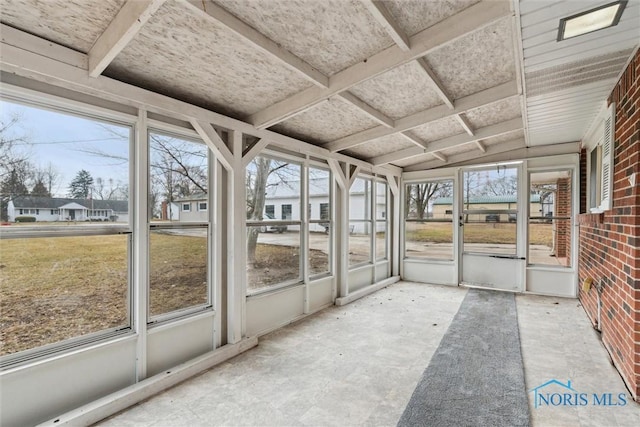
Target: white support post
x: 236, y: 240
x: 342, y: 226
x: 140, y: 243
x: 215, y: 213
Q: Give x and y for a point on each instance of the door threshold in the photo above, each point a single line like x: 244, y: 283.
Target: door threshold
x: 480, y: 286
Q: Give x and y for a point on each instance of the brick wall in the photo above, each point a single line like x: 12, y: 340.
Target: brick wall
x: 609, y: 242
x: 563, y: 227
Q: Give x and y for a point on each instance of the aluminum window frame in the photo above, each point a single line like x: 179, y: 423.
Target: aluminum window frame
x: 54, y: 104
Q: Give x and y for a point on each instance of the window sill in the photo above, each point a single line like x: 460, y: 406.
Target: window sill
x: 591, y: 218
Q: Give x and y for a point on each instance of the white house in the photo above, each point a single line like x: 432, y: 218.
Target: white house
x: 51, y: 209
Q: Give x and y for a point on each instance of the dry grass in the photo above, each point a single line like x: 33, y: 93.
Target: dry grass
x: 496, y: 233
x: 53, y: 289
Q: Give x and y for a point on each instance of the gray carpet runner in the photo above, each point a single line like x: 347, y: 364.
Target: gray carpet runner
x: 476, y: 376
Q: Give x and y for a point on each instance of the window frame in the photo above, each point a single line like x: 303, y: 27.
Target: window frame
x: 281, y: 157
x: 600, y: 143
x: 208, y: 224
x: 54, y: 104
x: 322, y: 219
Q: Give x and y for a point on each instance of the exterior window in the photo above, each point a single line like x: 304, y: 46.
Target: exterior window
x: 428, y: 224
x: 286, y: 211
x: 270, y: 211
x: 381, y: 222
x: 320, y: 224
x: 600, y: 144
x: 179, y: 246
x: 360, y: 221
x: 273, y: 246
x: 550, y: 218
x: 324, y: 210
x: 62, y: 286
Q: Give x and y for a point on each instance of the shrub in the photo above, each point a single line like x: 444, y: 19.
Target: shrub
x: 25, y: 219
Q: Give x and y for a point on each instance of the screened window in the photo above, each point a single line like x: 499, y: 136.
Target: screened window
x: 600, y: 161
x: 490, y: 210
x: 320, y: 224
x: 65, y: 275
x: 550, y: 218
x: 178, y: 244
x: 429, y: 220
x: 360, y: 221
x: 381, y: 222
x: 273, y: 246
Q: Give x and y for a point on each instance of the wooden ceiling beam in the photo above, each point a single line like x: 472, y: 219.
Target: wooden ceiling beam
x: 259, y: 41
x: 381, y: 14
x: 124, y: 27
x: 438, y: 35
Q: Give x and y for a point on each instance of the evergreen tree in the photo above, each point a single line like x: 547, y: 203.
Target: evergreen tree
x: 80, y: 186
x: 40, y: 189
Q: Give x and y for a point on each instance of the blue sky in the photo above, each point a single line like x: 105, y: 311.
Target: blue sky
x: 69, y: 143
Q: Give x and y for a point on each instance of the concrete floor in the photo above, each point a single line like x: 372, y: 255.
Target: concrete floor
x: 359, y: 364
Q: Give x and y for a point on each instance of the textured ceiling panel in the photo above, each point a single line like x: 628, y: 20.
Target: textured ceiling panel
x: 330, y: 34
x: 476, y: 62
x: 494, y: 113
x: 326, y: 122
x: 415, y: 15
x: 496, y: 140
x: 231, y: 76
x: 437, y: 130
x: 73, y: 23
x: 399, y: 92
x: 379, y: 146
x: 458, y: 149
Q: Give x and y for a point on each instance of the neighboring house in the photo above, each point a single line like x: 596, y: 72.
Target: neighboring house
x: 442, y: 207
x: 169, y: 211
x: 282, y: 203
x: 194, y: 208
x: 60, y: 209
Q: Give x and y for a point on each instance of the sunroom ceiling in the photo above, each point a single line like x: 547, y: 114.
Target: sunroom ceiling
x: 410, y: 83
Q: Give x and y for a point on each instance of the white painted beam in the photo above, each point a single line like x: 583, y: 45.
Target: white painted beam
x: 471, y: 155
x: 435, y: 82
x: 341, y: 179
x: 248, y: 156
x: 376, y: 115
x: 413, y: 140
x: 488, y: 96
x: 381, y: 14
x: 462, y: 119
x: 451, y: 141
x: 353, y: 174
x: 29, y: 56
x: 481, y: 146
x: 214, y: 142
x: 465, y: 22
x: 439, y: 156
x: 392, y: 181
x: 124, y: 27
x: 260, y: 41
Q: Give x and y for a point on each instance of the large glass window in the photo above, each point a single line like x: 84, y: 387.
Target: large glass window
x: 490, y: 210
x: 381, y: 220
x: 65, y: 238
x: 179, y: 235
x: 273, y: 246
x: 550, y: 218
x: 429, y: 220
x: 319, y: 221
x: 360, y: 221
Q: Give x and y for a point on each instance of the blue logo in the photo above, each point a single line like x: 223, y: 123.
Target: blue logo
x: 557, y: 393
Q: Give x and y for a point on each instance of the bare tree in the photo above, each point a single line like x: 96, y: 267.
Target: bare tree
x: 15, y: 169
